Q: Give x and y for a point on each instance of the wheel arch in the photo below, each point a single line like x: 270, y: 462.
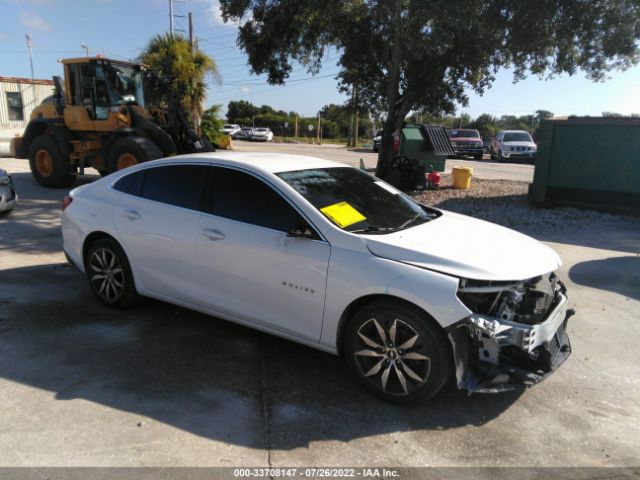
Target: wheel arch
x: 360, y: 302
x: 92, y: 238
x: 34, y: 129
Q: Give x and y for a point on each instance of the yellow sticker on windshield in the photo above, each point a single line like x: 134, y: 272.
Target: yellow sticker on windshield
x: 343, y: 214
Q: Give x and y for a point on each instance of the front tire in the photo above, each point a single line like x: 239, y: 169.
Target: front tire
x: 397, y: 352
x: 48, y: 165
x: 109, y: 274
x: 130, y: 151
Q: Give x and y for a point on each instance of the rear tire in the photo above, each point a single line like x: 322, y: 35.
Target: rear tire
x: 413, y: 366
x: 130, y: 151
x: 48, y: 165
x: 109, y: 274
x: 477, y: 157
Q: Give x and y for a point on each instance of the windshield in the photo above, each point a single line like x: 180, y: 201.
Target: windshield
x: 356, y: 201
x: 517, y: 137
x: 126, y: 83
x: 463, y: 134
x: 229, y: 127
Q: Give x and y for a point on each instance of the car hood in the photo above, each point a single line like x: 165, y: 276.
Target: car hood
x: 466, y: 140
x: 466, y: 247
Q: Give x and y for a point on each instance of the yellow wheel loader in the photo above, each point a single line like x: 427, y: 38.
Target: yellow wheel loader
x: 98, y: 119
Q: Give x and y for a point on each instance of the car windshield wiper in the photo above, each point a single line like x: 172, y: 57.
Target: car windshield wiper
x: 412, y: 219
x: 373, y: 229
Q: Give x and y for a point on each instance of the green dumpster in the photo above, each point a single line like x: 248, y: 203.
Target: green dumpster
x: 422, y: 148
x: 588, y: 162
x: 428, y: 144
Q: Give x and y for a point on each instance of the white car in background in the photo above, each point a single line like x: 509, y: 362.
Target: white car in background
x: 511, y: 144
x: 231, y: 129
x: 261, y: 134
x: 331, y: 257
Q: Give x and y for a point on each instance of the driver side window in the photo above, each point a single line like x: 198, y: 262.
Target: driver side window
x: 240, y: 196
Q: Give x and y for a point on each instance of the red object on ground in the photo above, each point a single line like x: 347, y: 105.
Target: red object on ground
x: 434, y: 178
x: 396, y: 142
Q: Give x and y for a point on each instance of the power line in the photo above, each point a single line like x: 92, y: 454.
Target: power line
x: 298, y: 82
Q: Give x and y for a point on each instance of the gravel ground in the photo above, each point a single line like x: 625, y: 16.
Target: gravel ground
x: 505, y: 202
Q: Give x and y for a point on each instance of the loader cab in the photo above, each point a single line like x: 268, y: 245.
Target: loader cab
x: 98, y: 91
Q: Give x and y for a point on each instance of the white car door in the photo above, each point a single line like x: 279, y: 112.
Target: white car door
x: 249, y: 267
x: 158, y: 222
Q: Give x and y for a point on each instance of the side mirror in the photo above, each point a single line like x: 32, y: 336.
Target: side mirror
x: 301, y: 232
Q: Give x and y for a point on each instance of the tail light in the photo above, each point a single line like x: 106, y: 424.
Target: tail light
x: 66, y: 201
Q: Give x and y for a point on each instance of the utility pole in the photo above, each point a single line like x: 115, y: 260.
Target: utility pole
x: 171, y: 17
x: 191, y: 43
x: 296, y: 128
x: 318, y: 132
x: 33, y: 82
x: 86, y: 49
x: 355, y: 130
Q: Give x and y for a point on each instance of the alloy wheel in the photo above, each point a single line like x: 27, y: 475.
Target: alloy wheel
x: 106, y: 274
x: 392, y: 356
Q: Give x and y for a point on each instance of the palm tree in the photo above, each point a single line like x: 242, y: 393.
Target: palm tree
x: 172, y: 58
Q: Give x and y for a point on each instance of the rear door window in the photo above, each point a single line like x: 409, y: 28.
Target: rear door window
x: 130, y: 183
x: 178, y: 185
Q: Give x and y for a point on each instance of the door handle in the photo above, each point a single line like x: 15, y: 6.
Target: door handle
x: 131, y: 214
x: 213, y: 235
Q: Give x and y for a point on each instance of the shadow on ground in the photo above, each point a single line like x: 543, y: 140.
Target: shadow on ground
x: 203, y: 375
x: 616, y: 274
x: 34, y: 224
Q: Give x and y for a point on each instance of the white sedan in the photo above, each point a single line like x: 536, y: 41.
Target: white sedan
x: 331, y: 257
x: 262, y: 135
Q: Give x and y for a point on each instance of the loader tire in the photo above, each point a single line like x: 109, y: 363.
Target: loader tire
x: 48, y: 165
x: 129, y: 151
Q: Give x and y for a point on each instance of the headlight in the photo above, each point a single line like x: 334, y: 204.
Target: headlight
x: 527, y: 301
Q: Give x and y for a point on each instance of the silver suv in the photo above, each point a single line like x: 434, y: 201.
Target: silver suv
x: 511, y: 144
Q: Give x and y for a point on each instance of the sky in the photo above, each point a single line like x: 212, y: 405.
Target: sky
x: 122, y: 28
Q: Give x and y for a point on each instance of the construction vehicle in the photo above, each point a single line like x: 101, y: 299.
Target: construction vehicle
x: 99, y: 119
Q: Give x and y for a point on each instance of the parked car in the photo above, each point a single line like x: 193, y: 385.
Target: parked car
x: 329, y: 256
x: 510, y: 144
x: 8, y: 196
x: 231, y: 129
x: 261, y: 134
x: 243, y: 134
x: 466, y: 142
x: 377, y: 139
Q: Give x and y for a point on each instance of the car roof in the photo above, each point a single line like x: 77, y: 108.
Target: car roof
x: 265, y: 162
x: 514, y: 131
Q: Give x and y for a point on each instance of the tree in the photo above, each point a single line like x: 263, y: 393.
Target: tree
x: 212, y: 123
x: 412, y: 54
x: 170, y: 56
x: 241, y: 110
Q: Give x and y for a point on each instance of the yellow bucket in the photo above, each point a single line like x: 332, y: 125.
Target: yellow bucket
x: 462, y: 177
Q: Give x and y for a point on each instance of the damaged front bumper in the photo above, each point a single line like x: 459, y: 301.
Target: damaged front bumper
x: 495, y: 355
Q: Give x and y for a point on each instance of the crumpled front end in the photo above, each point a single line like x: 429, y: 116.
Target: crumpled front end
x: 516, y: 335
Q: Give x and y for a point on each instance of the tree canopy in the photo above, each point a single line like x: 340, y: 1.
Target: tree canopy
x: 406, y: 55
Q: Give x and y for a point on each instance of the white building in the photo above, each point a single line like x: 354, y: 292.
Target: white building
x: 18, y: 98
